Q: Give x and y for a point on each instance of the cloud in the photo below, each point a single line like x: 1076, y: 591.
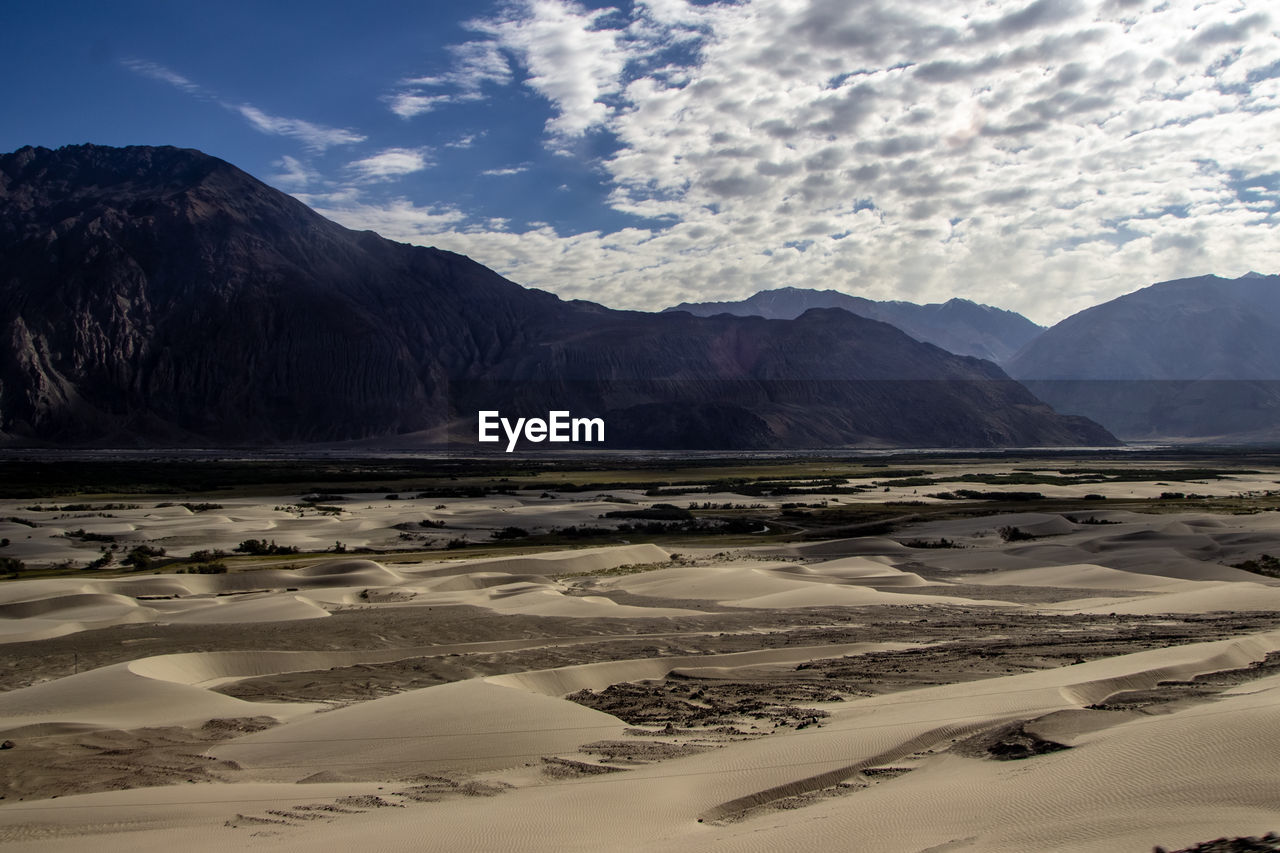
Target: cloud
x: 390, y: 163
x: 410, y: 104
x: 158, y: 72
x: 475, y: 64
x: 572, y: 59
x: 314, y: 136
x: 1038, y: 156
x: 295, y: 174
x: 510, y: 170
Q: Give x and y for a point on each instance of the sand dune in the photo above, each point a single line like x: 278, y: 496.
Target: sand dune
x: 1210, y: 598
x: 857, y: 570
x: 559, y: 562
x: 468, y: 725
x: 117, y: 697
x: 766, y: 585
x: 267, y: 608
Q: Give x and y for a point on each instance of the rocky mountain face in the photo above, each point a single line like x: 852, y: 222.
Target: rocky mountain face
x: 1191, y: 358
x: 159, y: 296
x: 957, y: 325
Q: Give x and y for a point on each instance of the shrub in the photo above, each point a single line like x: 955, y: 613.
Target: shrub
x: 1014, y: 534
x: 260, y: 547
x: 142, y: 556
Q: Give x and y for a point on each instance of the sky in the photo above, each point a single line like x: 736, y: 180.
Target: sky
x: 1041, y: 157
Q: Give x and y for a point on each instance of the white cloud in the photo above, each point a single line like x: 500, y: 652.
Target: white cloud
x: 410, y: 104
x: 165, y: 75
x: 314, y: 136
x: 294, y: 173
x: 475, y: 64
x: 1041, y: 156
x: 510, y: 170
x: 572, y: 58
x: 398, y: 219
x: 390, y: 163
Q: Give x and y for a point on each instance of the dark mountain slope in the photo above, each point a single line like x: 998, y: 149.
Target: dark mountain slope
x: 158, y: 295
x: 1195, y: 357
x: 957, y: 325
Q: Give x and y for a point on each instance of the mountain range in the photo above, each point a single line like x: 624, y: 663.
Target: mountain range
x: 957, y: 325
x: 159, y: 296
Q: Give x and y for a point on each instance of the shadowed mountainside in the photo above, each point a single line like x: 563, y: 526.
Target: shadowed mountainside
x: 162, y: 296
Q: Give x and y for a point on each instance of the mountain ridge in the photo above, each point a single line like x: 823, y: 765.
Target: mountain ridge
x: 957, y: 325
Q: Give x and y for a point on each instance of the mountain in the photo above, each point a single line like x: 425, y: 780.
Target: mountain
x: 1191, y: 358
x: 161, y: 296
x: 957, y: 325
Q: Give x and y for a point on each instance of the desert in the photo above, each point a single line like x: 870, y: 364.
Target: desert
x: 748, y: 654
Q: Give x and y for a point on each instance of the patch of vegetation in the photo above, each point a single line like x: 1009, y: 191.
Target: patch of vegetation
x: 85, y: 536
x: 660, y: 512
x: 204, y: 569
x: 143, y: 556
x: 1014, y: 534
x: 1138, y: 475
x: 260, y: 548
x: 26, y: 522
x: 321, y: 497
x: 972, y: 495
x: 1266, y: 565
x: 908, y: 482
x: 1269, y: 843
x: 11, y: 566
x: 508, y: 533
x: 931, y: 543
x: 575, y: 531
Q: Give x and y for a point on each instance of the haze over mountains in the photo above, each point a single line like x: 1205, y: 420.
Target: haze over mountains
x: 1191, y: 358
x: 162, y: 296
x: 957, y: 325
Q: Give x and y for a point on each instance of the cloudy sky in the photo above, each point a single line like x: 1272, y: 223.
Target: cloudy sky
x: 1040, y: 156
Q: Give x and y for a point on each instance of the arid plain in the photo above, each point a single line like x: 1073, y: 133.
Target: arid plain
x: 1016, y: 653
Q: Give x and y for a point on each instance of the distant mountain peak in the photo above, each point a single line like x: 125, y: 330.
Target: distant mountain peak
x: 1251, y: 274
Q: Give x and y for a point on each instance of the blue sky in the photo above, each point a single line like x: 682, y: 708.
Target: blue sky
x: 1038, y: 156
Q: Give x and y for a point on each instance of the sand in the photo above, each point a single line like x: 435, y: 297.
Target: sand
x: 493, y: 755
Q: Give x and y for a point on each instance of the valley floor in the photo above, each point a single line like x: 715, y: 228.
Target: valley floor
x: 867, y: 658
